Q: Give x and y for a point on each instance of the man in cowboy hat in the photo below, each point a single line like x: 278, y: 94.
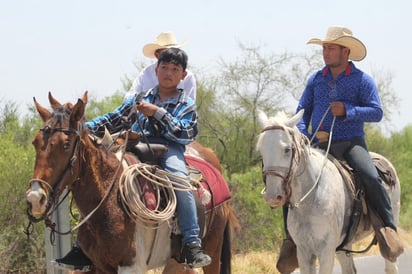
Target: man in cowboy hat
x: 350, y: 95
x: 147, y: 78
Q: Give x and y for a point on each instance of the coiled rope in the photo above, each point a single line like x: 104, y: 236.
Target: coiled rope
x: 164, y: 184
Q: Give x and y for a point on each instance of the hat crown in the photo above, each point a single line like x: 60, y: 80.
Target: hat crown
x: 166, y: 39
x: 343, y: 36
x: 336, y: 32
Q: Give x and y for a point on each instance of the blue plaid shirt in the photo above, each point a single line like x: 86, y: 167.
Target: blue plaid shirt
x: 175, y: 120
x: 354, y: 88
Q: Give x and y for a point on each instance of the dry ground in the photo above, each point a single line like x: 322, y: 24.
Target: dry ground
x: 264, y: 262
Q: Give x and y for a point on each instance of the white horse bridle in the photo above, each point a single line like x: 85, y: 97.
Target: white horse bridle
x: 274, y: 170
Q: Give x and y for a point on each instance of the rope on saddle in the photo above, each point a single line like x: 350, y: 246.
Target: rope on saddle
x: 163, y: 184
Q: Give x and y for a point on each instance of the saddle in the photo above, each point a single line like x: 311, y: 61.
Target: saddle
x: 200, y: 172
x: 385, y: 237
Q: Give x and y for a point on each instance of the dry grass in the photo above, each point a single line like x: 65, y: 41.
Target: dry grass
x: 264, y: 262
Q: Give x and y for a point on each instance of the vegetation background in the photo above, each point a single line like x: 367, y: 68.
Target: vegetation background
x: 227, y: 102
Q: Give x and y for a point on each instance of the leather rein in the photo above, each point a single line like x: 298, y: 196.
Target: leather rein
x: 52, y: 206
x: 51, y: 191
x: 277, y: 170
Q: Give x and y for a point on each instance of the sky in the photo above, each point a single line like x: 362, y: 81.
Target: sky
x: 67, y: 47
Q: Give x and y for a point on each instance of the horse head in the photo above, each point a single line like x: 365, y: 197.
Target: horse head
x: 57, y: 155
x: 277, y: 144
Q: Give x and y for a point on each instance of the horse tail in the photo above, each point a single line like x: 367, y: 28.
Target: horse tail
x: 226, y: 255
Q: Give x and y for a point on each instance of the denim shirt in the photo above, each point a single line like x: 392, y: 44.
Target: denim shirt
x: 354, y: 88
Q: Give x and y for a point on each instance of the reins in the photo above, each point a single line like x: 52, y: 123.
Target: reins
x: 286, y: 179
x: 50, y: 207
x: 325, y: 160
x: 273, y: 171
x: 51, y: 202
x: 88, y: 216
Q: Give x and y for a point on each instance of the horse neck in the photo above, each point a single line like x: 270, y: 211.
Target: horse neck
x: 97, y: 172
x: 307, y: 169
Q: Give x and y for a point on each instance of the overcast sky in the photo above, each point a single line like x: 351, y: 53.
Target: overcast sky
x: 69, y: 46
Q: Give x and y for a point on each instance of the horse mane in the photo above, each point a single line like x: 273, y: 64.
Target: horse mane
x: 207, y: 154
x: 299, y: 140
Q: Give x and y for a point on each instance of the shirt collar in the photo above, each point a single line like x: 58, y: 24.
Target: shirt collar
x: 175, y: 99
x: 348, y: 70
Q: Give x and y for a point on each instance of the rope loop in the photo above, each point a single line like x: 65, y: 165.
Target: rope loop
x: 164, y: 185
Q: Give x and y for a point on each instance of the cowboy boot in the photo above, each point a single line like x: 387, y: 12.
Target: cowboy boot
x: 390, y: 244
x: 288, y: 259
x: 74, y: 260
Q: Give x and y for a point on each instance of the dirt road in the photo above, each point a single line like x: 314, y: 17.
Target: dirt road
x: 376, y: 265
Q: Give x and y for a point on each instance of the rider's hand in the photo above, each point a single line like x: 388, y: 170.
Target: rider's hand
x: 147, y: 109
x: 338, y: 109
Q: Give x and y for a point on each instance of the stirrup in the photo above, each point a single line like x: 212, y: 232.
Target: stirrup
x: 288, y: 260
x: 390, y: 244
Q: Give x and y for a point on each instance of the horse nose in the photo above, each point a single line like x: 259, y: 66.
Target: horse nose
x: 275, y: 201
x: 36, y: 201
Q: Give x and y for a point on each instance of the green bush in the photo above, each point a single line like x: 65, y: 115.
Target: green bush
x: 261, y: 226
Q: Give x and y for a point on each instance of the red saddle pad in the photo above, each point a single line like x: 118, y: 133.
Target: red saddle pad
x: 212, y: 180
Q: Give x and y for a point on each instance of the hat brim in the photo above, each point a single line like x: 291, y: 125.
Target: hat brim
x: 357, y: 48
x: 150, y: 49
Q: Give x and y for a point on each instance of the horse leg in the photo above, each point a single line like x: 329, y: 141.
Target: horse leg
x: 391, y: 268
x: 213, y: 242
x: 346, y: 262
x: 326, y: 260
x: 306, y: 261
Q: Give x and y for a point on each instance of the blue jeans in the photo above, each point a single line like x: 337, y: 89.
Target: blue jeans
x: 174, y: 162
x: 359, y: 159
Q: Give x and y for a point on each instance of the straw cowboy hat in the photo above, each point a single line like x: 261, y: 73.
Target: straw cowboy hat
x: 163, y: 40
x: 343, y: 36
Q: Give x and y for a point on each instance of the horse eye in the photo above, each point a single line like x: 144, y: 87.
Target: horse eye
x: 66, y: 146
x: 288, y: 150
x: 46, y: 129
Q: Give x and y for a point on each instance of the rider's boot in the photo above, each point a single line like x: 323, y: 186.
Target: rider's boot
x: 390, y: 244
x: 74, y: 260
x: 194, y: 256
x: 288, y: 260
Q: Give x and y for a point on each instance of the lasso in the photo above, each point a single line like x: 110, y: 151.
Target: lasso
x: 164, y: 185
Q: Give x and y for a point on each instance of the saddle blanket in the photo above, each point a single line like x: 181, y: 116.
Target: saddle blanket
x: 212, y: 180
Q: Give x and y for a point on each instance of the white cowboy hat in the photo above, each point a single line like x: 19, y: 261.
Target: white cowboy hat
x: 163, y: 40
x: 343, y: 36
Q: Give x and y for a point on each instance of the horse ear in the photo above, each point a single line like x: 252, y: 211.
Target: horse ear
x: 295, y: 119
x: 77, y: 112
x: 84, y: 98
x: 43, y: 112
x: 262, y: 118
x: 53, y: 102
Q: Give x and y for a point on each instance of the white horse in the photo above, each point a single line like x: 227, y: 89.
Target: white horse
x: 320, y: 201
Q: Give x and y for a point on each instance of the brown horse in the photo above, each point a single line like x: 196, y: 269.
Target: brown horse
x: 66, y: 157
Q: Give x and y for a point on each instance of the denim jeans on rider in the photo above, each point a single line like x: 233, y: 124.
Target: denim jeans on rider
x: 359, y: 159
x: 173, y: 161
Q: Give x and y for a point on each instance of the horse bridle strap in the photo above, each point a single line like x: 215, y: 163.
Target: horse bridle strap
x: 50, y: 208
x: 274, y: 171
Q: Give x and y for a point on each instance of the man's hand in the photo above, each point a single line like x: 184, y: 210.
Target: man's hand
x: 147, y: 109
x: 338, y: 109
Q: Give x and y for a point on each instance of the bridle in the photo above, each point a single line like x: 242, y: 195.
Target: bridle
x: 279, y: 171
x: 295, y: 158
x: 53, y: 190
